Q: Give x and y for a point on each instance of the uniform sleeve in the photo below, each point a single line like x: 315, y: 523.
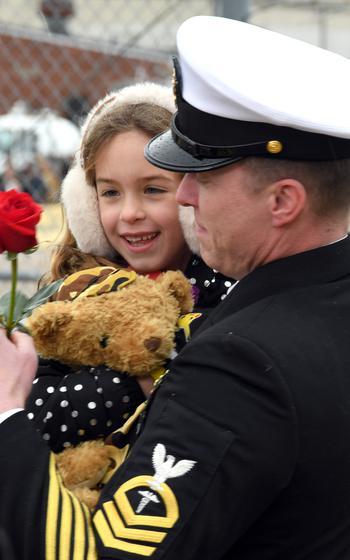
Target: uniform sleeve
x: 38, y: 517
x: 218, y: 445
x: 69, y: 407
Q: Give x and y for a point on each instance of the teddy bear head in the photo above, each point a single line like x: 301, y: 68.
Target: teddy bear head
x: 131, y: 329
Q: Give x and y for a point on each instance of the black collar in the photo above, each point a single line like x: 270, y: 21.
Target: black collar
x: 318, y: 266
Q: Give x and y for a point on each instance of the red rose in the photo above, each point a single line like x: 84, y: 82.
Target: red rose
x: 19, y: 215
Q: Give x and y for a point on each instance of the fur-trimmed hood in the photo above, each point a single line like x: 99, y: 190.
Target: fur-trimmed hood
x: 79, y: 198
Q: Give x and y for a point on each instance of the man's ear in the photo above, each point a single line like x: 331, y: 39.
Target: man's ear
x: 287, y: 201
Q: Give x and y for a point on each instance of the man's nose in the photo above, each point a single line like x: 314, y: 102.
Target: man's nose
x: 187, y: 192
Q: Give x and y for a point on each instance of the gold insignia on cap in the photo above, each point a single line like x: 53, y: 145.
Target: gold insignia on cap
x: 174, y: 84
x: 274, y: 146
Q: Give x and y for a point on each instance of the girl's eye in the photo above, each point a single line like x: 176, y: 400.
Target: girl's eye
x: 108, y: 193
x: 151, y: 189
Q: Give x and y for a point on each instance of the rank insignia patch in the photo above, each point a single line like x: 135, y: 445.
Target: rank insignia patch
x: 143, y: 508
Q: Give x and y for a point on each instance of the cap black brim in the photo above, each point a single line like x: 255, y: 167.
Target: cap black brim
x: 163, y: 152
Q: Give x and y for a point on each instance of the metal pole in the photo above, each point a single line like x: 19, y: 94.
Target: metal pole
x: 234, y: 9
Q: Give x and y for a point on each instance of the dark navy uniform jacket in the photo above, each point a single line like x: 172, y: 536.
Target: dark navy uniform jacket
x: 243, y: 451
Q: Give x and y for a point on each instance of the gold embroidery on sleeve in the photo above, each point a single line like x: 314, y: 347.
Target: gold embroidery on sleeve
x: 61, y: 506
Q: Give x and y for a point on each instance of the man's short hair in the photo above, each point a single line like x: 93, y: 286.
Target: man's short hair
x: 326, y: 182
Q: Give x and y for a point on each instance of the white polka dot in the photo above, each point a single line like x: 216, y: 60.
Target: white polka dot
x: 49, y: 415
x: 81, y: 432
x: 39, y: 402
x: 35, y: 381
x: 206, y: 283
x: 63, y: 404
x: 93, y: 422
x: 126, y: 399
x: 92, y: 369
x: 223, y: 296
x: 78, y: 387
x: 126, y: 415
x: 67, y: 444
x: 64, y: 428
x: 63, y: 389
x: 91, y: 405
x: 30, y: 415
x: 193, y: 281
x: 228, y: 283
x: 116, y: 380
x: 96, y: 377
x: 99, y: 390
x: 46, y: 437
x: 50, y: 389
x: 212, y: 280
x: 109, y: 423
x: 75, y: 414
x: 108, y: 404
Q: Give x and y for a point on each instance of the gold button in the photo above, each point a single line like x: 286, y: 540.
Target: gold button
x: 274, y: 146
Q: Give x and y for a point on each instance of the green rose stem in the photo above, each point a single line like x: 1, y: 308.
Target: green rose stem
x: 12, y: 295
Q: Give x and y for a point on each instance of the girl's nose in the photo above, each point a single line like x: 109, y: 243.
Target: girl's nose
x: 132, y: 210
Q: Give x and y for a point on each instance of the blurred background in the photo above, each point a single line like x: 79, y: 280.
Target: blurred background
x: 58, y: 57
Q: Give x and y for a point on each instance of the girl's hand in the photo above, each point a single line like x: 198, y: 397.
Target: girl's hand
x: 146, y: 384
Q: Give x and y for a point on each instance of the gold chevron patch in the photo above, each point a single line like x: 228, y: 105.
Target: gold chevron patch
x: 119, y: 519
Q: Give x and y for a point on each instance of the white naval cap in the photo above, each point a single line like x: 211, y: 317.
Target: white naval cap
x: 242, y: 90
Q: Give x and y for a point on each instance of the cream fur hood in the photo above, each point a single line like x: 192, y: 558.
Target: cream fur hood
x: 79, y: 198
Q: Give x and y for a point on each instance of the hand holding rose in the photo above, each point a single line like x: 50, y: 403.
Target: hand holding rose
x: 18, y: 365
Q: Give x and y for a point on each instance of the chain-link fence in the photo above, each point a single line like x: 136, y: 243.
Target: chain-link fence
x: 65, y: 54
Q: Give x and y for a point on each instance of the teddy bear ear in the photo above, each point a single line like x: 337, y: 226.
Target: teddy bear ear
x: 48, y: 319
x: 179, y: 286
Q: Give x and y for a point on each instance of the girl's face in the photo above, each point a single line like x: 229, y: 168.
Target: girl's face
x: 137, y: 206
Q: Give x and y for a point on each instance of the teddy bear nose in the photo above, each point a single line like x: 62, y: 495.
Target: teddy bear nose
x: 152, y: 344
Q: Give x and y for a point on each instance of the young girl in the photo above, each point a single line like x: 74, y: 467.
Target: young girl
x: 122, y: 211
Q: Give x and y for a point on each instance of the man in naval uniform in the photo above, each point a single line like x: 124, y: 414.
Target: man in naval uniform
x: 243, y: 450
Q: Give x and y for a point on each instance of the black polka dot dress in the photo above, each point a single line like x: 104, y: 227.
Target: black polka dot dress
x: 69, y: 406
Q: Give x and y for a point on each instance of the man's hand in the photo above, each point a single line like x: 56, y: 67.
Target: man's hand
x: 18, y: 365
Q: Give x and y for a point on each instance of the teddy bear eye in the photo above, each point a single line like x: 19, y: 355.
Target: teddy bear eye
x: 104, y: 341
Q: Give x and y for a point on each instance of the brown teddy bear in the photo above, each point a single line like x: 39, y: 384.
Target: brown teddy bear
x: 129, y: 328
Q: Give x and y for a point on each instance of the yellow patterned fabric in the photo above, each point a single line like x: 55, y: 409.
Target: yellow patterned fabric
x: 94, y: 281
